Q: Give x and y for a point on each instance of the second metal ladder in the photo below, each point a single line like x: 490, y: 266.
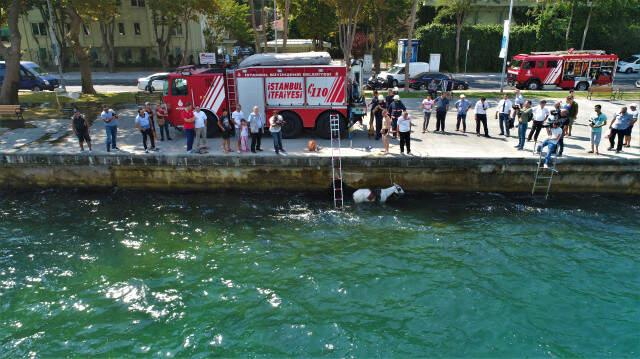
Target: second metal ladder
x: 544, y: 176
x: 336, y: 160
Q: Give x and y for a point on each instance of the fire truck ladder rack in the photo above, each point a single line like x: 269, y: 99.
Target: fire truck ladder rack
x: 231, y: 89
x: 336, y: 161
x: 544, y: 176
x: 574, y: 52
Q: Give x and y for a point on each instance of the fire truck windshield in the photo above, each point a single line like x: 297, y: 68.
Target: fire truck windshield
x: 516, y: 64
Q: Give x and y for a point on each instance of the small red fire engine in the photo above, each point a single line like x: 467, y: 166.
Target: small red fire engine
x: 304, y: 88
x: 570, y: 69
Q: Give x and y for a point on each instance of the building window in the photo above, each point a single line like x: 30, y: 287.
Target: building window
x: 121, y: 29
x: 137, y: 3
x: 39, y: 29
x: 136, y: 28
x: 176, y: 30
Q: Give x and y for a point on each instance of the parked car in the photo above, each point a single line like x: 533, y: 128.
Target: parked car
x: 396, y: 74
x: 32, y: 77
x: 421, y: 81
x: 154, y: 82
x: 630, y: 64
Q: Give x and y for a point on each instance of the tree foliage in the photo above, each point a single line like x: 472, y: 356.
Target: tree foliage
x: 314, y: 19
x: 231, y: 19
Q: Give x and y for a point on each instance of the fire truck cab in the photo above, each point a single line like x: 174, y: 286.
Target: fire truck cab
x: 304, y: 88
x: 570, y: 69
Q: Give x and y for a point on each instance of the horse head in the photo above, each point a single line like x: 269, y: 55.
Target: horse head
x: 398, y: 190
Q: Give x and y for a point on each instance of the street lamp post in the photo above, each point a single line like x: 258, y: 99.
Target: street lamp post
x: 506, y: 50
x: 275, y: 26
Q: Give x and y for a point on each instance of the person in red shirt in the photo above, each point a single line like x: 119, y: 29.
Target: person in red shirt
x: 188, y: 126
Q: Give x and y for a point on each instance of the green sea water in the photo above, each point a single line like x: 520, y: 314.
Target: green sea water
x: 251, y: 275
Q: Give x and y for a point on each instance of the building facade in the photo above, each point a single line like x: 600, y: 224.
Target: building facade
x: 134, y: 39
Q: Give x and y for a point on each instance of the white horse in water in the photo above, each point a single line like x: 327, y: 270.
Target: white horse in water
x: 380, y: 195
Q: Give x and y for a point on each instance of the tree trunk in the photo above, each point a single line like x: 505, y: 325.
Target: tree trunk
x: 107, y: 30
x: 185, y: 51
x: 586, y: 27
x: 11, y: 55
x: 285, y: 23
x: 162, y: 41
x: 79, y: 51
x: 409, y: 54
x: 254, y: 24
x: 458, y: 32
x: 377, y: 48
x: 566, y: 35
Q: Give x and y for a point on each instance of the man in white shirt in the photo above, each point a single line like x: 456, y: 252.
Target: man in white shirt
x: 200, y: 125
x: 540, y: 114
x: 237, y: 116
x: 481, y: 116
x: 504, y: 109
x: 552, y: 142
x: 404, y: 127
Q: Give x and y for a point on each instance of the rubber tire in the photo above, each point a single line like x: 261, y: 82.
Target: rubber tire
x: 580, y: 88
x: 628, y: 70
x: 322, y: 125
x: 293, y: 124
x: 212, y: 125
x: 394, y: 83
x: 534, y: 85
x: 460, y: 87
x: 423, y: 87
x: 36, y: 88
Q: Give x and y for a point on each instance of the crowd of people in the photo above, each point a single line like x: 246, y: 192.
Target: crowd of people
x: 388, y: 119
x: 247, y: 130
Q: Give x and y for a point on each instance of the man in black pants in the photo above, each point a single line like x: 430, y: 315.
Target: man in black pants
x: 395, y: 109
x: 481, y: 116
x: 540, y: 114
x: 441, y: 105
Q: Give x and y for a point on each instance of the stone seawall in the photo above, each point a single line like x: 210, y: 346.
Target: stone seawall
x: 309, y: 173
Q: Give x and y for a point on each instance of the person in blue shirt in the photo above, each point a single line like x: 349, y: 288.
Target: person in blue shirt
x: 441, y: 105
x: 462, y: 105
x: 596, y: 123
x: 143, y: 124
x: 110, y: 119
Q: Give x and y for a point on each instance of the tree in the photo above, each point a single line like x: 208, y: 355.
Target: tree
x: 315, y: 20
x: 285, y: 22
x: 586, y: 26
x: 230, y: 18
x: 10, y: 52
x: 385, y: 20
x: 73, y: 10
x: 348, y: 14
x: 254, y: 25
x: 107, y: 21
x: 412, y: 24
x: 458, y: 9
x: 164, y: 16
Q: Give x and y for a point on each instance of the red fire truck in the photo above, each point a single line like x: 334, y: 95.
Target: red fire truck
x: 570, y: 69
x: 305, y: 88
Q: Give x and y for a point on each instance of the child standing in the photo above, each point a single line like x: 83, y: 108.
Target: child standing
x: 244, y: 136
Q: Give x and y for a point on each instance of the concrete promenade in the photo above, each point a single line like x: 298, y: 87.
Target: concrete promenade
x: 50, y: 143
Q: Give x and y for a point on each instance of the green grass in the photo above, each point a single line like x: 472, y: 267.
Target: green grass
x: 106, y: 98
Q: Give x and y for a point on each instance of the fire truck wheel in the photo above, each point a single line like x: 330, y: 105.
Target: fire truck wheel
x: 212, y: 125
x: 293, y: 125
x: 534, y: 85
x: 582, y: 86
x: 322, y: 125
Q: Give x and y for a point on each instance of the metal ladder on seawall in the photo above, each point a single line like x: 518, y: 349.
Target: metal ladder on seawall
x: 336, y: 160
x: 231, y: 89
x: 544, y: 174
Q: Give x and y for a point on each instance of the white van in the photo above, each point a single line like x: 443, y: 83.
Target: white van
x: 395, y: 75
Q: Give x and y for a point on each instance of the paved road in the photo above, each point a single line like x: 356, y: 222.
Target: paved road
x: 126, y: 81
